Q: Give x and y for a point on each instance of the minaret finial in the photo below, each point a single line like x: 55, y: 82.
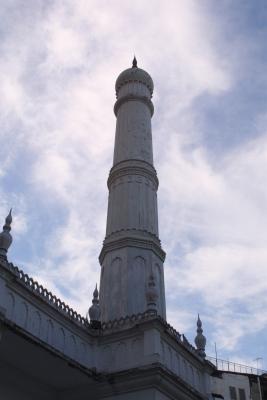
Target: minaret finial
x: 5, y: 236
x: 94, y: 311
x: 200, y: 339
x: 134, y: 62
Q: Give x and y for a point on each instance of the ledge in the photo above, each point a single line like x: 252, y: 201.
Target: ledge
x: 132, y: 238
x: 133, y: 167
x: 132, y: 97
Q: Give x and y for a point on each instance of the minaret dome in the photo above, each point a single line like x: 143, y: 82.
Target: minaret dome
x: 134, y: 74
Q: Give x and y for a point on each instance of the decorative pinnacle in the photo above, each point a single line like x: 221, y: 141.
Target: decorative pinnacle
x: 199, y: 325
x: 94, y: 310
x: 134, y: 63
x: 200, y: 339
x: 95, y: 294
x: 7, y: 226
x: 5, y: 236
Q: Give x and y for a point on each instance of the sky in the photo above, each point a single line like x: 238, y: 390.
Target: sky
x: 58, y: 64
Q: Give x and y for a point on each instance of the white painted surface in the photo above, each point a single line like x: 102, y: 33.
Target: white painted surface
x: 132, y: 211
x: 238, y: 381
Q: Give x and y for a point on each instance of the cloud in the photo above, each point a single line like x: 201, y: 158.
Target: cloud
x: 220, y: 232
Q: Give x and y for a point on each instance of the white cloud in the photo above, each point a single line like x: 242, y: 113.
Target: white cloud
x: 221, y: 226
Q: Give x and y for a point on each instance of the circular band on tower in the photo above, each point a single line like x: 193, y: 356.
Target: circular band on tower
x: 132, y: 170
x: 133, y: 167
x: 133, y: 97
x: 115, y: 242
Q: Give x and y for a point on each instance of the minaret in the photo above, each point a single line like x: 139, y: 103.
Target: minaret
x: 131, y: 251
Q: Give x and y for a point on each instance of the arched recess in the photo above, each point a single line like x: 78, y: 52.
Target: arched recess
x: 137, y: 282
x: 192, y: 376
x: 199, y: 386
x: 121, y: 355
x: 185, y: 371
x: 72, y: 347
x: 36, y: 323
x: 137, y: 350
x: 102, y: 287
x: 178, y: 367
x: 22, y: 314
x: 169, y: 358
x: 83, y: 352
x: 49, y: 332
x: 10, y: 305
x: 106, y: 357
x: 115, y: 285
x: 162, y: 352
x: 157, y: 272
x: 60, y: 338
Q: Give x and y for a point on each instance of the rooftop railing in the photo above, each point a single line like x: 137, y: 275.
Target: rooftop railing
x: 229, y: 366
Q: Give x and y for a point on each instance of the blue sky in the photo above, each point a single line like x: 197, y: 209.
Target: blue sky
x: 58, y: 65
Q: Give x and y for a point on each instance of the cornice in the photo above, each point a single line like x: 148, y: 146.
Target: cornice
x: 132, y: 238
x: 133, y: 97
x: 146, y: 320
x: 133, y: 167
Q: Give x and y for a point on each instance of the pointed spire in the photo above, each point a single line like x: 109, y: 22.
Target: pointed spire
x: 7, y: 225
x: 200, y: 339
x: 134, y: 63
x: 5, y: 236
x: 94, y: 310
x: 95, y: 294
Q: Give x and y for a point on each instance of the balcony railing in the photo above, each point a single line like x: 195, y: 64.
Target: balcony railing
x: 230, y: 366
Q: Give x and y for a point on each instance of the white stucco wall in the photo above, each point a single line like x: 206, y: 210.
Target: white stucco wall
x: 238, y: 381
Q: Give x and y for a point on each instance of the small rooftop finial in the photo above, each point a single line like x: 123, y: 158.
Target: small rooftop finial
x: 200, y: 339
x: 95, y: 294
x: 134, y: 62
x: 94, y: 311
x: 5, y: 236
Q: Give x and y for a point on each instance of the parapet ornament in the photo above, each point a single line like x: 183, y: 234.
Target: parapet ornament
x: 94, y: 311
x: 38, y: 290
x: 200, y: 339
x: 5, y: 236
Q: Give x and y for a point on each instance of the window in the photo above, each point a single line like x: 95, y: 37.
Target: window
x: 242, y: 394
x: 233, y: 395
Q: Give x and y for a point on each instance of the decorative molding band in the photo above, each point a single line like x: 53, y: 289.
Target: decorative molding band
x: 133, y: 167
x: 133, y: 232
x: 131, y: 320
x: 136, y: 162
x: 145, y: 80
x: 132, y: 97
x: 117, y: 241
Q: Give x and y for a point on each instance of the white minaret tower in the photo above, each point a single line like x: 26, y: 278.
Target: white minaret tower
x: 132, y: 257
